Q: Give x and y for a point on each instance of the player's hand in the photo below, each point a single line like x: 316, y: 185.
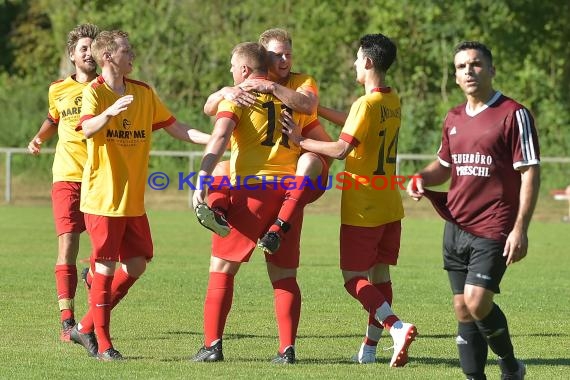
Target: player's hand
x: 120, y: 105
x: 290, y: 128
x: 415, y: 188
x: 516, y: 246
x: 239, y: 95
x: 34, y: 146
x: 260, y: 85
x: 199, y: 197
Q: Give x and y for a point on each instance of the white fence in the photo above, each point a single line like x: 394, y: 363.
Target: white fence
x: 9, y: 152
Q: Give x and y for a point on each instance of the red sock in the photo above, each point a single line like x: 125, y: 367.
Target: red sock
x: 386, y: 289
x: 219, y: 193
x: 122, y: 282
x: 287, y: 299
x: 295, y: 201
x: 66, y: 284
x: 217, y: 305
x: 361, y: 289
x: 101, y: 309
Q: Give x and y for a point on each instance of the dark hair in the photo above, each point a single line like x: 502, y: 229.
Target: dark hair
x: 380, y: 49
x: 475, y: 45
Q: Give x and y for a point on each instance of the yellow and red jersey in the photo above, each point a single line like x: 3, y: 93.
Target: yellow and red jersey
x: 372, y: 128
x: 299, y: 81
x: 115, y: 174
x: 258, y: 148
x: 64, y: 97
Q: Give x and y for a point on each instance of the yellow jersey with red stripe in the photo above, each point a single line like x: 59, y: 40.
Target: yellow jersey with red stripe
x: 299, y: 81
x: 371, y: 196
x: 64, y: 97
x: 258, y: 148
x: 115, y: 174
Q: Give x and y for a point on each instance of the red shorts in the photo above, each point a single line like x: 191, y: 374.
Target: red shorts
x: 119, y: 238
x: 363, y: 247
x: 65, y: 199
x: 250, y: 215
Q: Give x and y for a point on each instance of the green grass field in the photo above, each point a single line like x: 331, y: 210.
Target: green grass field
x: 158, y: 326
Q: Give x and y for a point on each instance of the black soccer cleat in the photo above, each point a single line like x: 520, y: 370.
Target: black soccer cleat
x: 110, y: 355
x: 209, y: 354
x: 287, y: 357
x: 66, y: 327
x: 269, y: 243
x: 89, y: 341
x: 212, y: 219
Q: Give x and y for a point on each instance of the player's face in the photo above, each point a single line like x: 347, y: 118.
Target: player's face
x: 473, y: 73
x: 280, y: 59
x: 236, y: 70
x: 359, y: 65
x: 81, y: 56
x: 124, y: 56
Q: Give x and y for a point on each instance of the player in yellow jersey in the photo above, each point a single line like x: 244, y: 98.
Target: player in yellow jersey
x: 299, y: 92
x: 118, y: 118
x: 261, y: 161
x: 370, y: 217
x: 64, y: 98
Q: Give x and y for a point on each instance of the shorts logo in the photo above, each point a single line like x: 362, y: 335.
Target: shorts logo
x: 483, y: 276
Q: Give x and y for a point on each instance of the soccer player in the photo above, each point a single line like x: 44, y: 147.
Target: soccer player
x: 489, y: 148
x: 371, y: 227
x: 298, y: 92
x: 118, y: 117
x: 259, y: 152
x: 64, y: 98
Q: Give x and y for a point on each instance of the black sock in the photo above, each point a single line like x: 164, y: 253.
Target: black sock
x: 472, y: 349
x: 496, y: 331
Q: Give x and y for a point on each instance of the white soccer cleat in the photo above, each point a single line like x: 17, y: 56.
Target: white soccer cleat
x: 366, y: 354
x: 403, y: 336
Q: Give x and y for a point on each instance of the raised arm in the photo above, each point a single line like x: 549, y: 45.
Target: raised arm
x: 186, y: 133
x: 234, y: 94
x: 299, y: 100
x: 96, y: 123
x: 334, y: 116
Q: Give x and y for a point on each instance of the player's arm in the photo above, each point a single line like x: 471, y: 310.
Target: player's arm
x: 234, y: 94
x: 432, y: 175
x: 46, y: 131
x: 517, y: 242
x: 186, y: 133
x: 212, y: 153
x: 94, y: 124
x: 334, y: 116
x: 300, y: 100
x: 335, y: 149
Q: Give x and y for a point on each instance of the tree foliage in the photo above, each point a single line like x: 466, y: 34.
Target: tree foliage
x: 183, y: 51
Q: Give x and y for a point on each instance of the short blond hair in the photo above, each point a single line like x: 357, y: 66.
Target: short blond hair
x: 277, y: 34
x: 253, y: 55
x: 106, y: 42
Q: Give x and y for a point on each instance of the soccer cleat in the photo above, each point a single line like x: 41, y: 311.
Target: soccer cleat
x: 366, y: 354
x: 209, y: 354
x: 403, y: 337
x: 89, y: 341
x: 517, y: 375
x: 213, y: 220
x: 66, y: 327
x: 110, y: 355
x: 269, y: 243
x: 84, y: 273
x: 287, y: 357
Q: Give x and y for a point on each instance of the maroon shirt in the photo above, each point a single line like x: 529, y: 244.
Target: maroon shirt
x: 484, y: 151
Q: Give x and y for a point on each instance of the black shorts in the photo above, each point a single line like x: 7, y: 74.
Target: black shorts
x: 472, y: 260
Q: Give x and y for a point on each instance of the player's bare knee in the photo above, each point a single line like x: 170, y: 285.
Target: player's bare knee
x: 310, y: 165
